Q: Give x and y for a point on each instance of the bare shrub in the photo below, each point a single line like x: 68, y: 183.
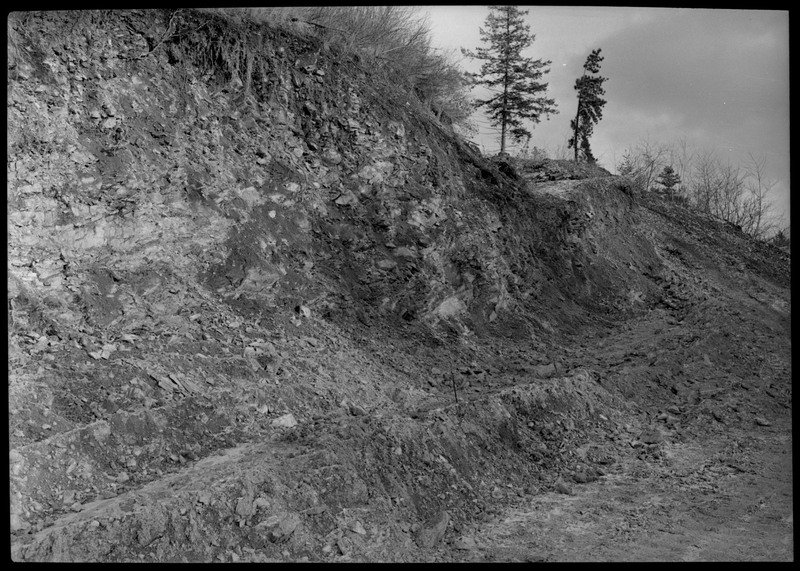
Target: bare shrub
x: 738, y: 194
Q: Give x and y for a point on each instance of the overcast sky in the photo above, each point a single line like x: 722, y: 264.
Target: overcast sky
x: 718, y: 78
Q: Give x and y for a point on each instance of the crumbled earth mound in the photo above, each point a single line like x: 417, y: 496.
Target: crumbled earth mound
x: 264, y: 307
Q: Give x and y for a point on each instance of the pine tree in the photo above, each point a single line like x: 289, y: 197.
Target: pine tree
x: 781, y: 239
x: 514, y: 80
x: 668, y: 178
x: 590, y: 105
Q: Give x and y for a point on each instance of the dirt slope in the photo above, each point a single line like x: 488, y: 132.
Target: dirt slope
x: 263, y: 307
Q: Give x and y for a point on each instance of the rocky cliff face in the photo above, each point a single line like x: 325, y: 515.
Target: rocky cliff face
x: 312, y: 184
x: 224, y: 236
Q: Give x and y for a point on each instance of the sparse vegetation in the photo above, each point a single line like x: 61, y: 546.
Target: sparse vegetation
x: 782, y: 238
x: 738, y: 194
x: 642, y: 162
x: 534, y: 155
x: 393, y: 42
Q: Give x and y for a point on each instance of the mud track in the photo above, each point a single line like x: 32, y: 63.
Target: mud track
x: 719, y: 493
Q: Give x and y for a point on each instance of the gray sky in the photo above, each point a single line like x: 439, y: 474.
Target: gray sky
x: 717, y: 78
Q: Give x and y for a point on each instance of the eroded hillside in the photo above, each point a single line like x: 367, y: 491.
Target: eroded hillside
x: 263, y: 306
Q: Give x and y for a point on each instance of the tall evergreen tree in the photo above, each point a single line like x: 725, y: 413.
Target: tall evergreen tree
x: 590, y: 105
x: 514, y: 80
x: 668, y: 178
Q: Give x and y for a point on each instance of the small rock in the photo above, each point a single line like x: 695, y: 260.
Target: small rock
x: 280, y: 526
x: 465, y: 543
x: 316, y: 510
x: 652, y: 436
x: 404, y: 252
x: 303, y: 311
x: 332, y: 156
x: 18, y: 524
x: 68, y: 497
x: 285, y: 421
x: 430, y: 536
x: 358, y: 528
x: 544, y: 371
x: 15, y: 460
x: 347, y: 198
x: 584, y: 477
x: 562, y: 488
x: 762, y: 421
x: 356, y: 410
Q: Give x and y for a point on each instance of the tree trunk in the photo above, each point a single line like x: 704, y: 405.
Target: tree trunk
x: 504, y: 118
x: 503, y: 133
x: 577, y: 127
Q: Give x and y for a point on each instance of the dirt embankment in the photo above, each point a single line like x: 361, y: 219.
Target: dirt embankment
x: 263, y: 307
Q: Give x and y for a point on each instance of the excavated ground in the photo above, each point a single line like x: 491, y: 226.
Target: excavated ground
x: 306, y: 323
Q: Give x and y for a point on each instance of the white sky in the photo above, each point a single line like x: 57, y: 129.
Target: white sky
x: 715, y: 77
